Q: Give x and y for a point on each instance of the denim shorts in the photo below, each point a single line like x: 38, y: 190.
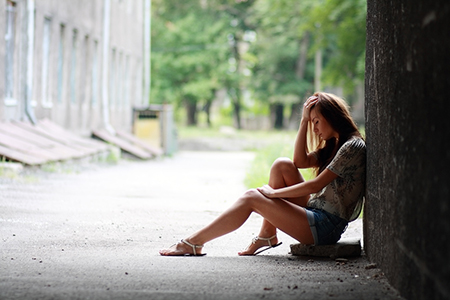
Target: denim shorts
x: 326, y: 228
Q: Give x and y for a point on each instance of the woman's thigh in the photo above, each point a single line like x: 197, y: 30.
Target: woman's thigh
x: 284, y: 215
x: 284, y: 173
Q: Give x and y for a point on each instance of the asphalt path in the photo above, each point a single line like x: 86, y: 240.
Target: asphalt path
x: 93, y: 232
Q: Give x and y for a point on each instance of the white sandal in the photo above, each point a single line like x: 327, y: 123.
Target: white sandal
x: 268, y: 240
x: 194, y: 247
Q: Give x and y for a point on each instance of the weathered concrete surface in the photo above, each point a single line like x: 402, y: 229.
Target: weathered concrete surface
x: 408, y: 159
x: 95, y: 234
x: 346, y: 248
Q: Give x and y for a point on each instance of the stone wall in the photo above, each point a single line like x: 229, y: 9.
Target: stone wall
x: 406, y: 216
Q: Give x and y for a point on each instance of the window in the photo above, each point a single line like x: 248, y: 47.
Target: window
x: 84, y: 73
x: 126, y: 79
x: 130, y: 6
x: 73, y: 69
x: 9, y: 45
x: 112, y: 78
x: 61, y: 63
x: 46, y: 101
x: 119, y: 81
x: 94, y: 85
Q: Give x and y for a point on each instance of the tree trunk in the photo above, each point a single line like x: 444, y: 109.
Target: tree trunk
x: 303, y: 53
x: 277, y: 117
x: 191, y: 109
x: 237, y: 114
x: 235, y: 90
x: 236, y: 97
x: 207, y: 109
x: 296, y: 113
x: 294, y: 118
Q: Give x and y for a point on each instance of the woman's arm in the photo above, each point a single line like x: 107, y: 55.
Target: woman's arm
x: 301, y: 158
x: 300, y: 189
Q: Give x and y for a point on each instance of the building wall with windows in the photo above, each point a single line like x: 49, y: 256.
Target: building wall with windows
x: 84, y: 54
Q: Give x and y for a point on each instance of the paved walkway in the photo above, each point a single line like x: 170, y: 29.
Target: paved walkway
x: 94, y: 233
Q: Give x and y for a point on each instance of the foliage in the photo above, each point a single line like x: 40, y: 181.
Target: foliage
x: 340, y: 29
x: 278, y: 75
x: 258, y: 173
x: 266, y: 46
x: 188, y: 53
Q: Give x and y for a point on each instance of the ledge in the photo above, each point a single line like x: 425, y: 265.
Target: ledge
x: 347, y: 248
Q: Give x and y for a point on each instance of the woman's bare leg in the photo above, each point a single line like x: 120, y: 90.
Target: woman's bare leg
x: 282, y: 173
x: 286, y: 216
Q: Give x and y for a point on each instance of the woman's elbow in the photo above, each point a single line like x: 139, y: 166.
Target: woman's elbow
x: 299, y: 163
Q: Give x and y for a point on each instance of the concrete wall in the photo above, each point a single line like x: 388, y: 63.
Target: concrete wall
x: 74, y: 99
x: 407, y: 211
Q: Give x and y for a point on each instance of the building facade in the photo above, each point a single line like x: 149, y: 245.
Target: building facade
x: 78, y: 63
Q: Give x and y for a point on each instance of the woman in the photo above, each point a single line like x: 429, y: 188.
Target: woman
x: 313, y: 212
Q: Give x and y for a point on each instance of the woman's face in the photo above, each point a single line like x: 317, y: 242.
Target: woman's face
x: 321, y: 126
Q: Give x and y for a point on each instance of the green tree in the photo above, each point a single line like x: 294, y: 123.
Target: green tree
x: 238, y: 14
x: 199, y: 47
x: 293, y: 37
x: 189, y: 51
x: 340, y: 30
x: 283, y: 74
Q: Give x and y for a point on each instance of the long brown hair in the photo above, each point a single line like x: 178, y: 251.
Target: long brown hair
x: 336, y: 111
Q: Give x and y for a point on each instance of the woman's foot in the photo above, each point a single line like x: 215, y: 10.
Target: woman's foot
x: 259, y: 242
x: 183, y: 248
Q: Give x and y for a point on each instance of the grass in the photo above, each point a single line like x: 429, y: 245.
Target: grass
x: 225, y: 131
x: 258, y: 173
x: 278, y: 144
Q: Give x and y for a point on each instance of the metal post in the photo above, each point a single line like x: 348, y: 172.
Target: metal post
x: 147, y: 52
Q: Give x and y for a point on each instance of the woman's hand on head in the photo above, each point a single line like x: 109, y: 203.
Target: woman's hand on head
x: 309, y: 103
x: 267, y: 191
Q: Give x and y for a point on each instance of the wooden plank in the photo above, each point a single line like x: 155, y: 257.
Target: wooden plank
x: 34, y: 129
x: 26, y: 147
x: 71, y: 138
x: 134, y: 140
x: 64, y: 139
x: 25, y: 135
x: 64, y: 147
x: 60, y: 150
x: 14, y: 155
x: 122, y: 144
x: 44, y: 142
x: 22, y: 152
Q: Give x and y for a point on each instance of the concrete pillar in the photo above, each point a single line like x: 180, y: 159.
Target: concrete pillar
x: 407, y: 94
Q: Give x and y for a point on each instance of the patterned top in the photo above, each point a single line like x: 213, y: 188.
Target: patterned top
x: 343, y: 196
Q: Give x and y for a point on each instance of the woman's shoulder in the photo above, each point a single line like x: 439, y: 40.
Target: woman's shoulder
x: 353, y: 146
x: 355, y: 142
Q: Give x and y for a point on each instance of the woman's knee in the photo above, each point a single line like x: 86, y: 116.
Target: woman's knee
x: 250, y: 195
x: 283, y: 163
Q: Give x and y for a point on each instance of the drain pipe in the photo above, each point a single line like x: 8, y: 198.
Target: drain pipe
x: 147, y: 52
x: 105, y: 66
x: 29, y: 62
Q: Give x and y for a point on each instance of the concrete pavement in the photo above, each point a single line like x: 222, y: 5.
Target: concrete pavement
x: 94, y: 232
